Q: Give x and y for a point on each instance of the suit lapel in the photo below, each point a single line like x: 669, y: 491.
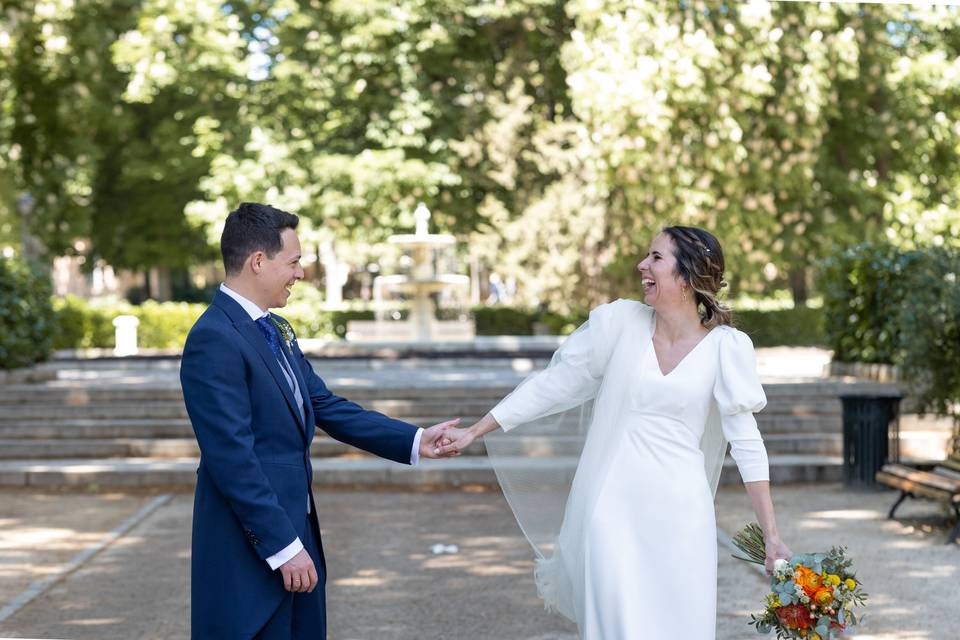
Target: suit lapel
x: 304, y: 392
x: 248, y: 329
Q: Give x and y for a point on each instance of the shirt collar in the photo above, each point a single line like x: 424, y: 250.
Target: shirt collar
x: 252, y: 308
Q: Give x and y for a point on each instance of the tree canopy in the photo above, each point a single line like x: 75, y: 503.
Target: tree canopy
x: 554, y: 137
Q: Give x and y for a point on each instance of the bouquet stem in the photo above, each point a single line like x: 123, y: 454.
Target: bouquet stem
x: 750, y: 541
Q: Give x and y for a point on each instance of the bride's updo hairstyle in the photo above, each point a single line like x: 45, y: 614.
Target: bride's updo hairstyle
x: 700, y: 264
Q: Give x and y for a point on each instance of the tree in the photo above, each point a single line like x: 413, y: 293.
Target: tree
x: 789, y: 127
x: 99, y: 163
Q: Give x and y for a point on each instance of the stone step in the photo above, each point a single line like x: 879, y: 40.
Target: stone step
x: 781, y: 424
x: 437, y: 404
x: 918, y: 444
x: 102, y: 428
x: 346, y: 472
x: 360, y: 388
x: 77, y: 428
x: 323, y: 447
x: 179, y: 427
x: 160, y: 448
x: 105, y: 410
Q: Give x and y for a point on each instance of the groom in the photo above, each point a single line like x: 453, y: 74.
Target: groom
x: 257, y: 568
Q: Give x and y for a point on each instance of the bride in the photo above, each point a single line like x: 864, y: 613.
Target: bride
x: 659, y: 387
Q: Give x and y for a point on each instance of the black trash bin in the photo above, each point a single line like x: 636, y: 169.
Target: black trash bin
x: 870, y: 424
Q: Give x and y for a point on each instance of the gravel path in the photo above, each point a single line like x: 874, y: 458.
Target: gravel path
x: 386, y: 583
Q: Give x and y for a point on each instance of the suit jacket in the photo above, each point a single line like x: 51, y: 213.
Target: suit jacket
x: 254, y: 478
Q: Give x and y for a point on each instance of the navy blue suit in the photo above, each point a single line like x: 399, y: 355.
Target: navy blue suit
x: 254, y: 478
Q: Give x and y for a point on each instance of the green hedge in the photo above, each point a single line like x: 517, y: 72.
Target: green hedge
x: 863, y: 290
x: 83, y: 325
x: 782, y: 327
x: 26, y: 318
x: 889, y: 305
x: 796, y: 327
x: 929, y: 338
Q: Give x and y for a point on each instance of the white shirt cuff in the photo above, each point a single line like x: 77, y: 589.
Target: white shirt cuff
x: 415, y: 452
x: 284, y: 555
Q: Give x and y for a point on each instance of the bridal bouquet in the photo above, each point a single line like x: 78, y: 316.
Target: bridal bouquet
x: 813, y: 595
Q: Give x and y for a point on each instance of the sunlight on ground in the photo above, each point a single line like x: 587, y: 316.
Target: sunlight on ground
x: 846, y: 514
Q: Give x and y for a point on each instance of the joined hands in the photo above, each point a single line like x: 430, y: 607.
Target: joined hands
x: 435, y: 438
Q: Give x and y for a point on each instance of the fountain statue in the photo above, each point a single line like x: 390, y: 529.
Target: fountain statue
x: 420, y: 283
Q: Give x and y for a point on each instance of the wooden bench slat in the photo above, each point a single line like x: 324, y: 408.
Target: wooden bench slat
x: 941, y: 482
x: 947, y: 473
x: 916, y: 488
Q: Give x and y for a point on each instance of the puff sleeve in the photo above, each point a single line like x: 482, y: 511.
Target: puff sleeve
x: 574, y: 373
x: 739, y: 395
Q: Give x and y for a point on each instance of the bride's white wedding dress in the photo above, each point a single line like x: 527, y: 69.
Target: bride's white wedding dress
x: 636, y: 555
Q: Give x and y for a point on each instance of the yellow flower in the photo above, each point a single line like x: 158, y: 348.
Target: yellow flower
x: 834, y: 579
x: 815, y: 636
x: 823, y: 596
x: 774, y: 601
x: 850, y: 583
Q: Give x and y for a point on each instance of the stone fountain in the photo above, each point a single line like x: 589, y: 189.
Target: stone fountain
x: 422, y: 281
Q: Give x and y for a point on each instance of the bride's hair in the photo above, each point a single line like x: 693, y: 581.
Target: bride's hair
x: 700, y: 263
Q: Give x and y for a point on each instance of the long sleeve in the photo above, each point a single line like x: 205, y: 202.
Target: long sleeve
x: 350, y: 423
x: 739, y: 395
x: 573, y: 376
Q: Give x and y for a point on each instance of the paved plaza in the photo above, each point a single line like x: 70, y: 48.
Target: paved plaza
x: 386, y: 582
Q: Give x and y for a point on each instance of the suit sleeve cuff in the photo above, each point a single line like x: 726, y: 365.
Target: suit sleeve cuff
x: 284, y: 555
x: 415, y: 451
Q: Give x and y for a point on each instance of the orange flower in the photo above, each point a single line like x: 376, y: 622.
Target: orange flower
x: 823, y: 596
x: 806, y: 579
x: 794, y: 616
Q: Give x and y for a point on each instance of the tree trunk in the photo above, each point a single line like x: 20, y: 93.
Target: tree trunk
x: 798, y: 285
x: 161, y: 285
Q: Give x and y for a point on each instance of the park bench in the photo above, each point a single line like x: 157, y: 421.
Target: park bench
x: 940, y: 482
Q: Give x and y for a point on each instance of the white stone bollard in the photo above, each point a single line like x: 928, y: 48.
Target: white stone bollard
x: 126, y: 335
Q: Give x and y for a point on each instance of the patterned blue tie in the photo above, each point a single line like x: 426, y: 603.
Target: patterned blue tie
x: 270, y: 332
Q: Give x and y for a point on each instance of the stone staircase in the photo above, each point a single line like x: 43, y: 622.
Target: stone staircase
x: 131, y: 429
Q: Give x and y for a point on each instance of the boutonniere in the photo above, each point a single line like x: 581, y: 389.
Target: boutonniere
x: 286, y: 331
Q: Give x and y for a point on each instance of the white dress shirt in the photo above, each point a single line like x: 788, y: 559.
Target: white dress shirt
x: 255, y: 313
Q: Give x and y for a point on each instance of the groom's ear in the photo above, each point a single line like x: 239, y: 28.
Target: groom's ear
x: 256, y: 261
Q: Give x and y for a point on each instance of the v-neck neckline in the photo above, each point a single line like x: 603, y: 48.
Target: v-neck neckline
x: 656, y: 358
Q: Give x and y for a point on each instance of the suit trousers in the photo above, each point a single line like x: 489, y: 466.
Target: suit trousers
x: 302, y: 616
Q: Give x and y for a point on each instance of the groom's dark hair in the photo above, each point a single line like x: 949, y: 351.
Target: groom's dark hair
x: 253, y: 227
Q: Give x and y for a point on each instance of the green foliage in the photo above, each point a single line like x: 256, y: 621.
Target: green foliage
x: 795, y: 327
x: 863, y: 288
x: 88, y: 325
x: 897, y: 306
x: 556, y: 136
x: 26, y: 326
x: 786, y: 128
x: 504, y: 321
x: 929, y: 322
x: 780, y: 327
x: 81, y: 325
x: 164, y: 325
x: 103, y: 164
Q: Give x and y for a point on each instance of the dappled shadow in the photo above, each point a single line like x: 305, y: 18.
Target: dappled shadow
x: 387, y: 582
x: 136, y: 587
x: 904, y: 564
